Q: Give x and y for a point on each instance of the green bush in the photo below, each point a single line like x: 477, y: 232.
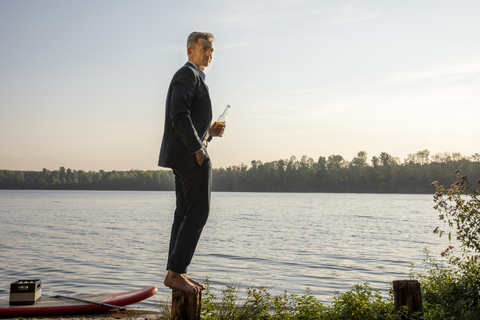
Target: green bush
x: 459, y: 207
x: 449, y: 291
x: 452, y: 291
x: 360, y: 303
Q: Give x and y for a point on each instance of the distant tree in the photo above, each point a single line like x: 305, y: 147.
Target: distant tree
x: 446, y: 157
x: 62, y: 173
x: 422, y: 157
x: 437, y: 158
x: 456, y: 156
x: 360, y: 160
x: 375, y: 161
x: 335, y: 162
x: 387, y: 160
x: 322, y: 163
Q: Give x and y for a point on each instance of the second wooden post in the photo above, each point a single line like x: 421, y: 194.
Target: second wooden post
x: 186, y: 306
x: 408, y: 293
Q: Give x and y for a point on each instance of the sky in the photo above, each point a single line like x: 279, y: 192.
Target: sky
x: 83, y: 83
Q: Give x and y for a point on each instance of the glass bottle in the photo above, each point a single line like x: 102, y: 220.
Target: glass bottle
x: 223, y: 117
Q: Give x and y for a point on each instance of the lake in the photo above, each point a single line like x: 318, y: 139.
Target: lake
x: 92, y: 242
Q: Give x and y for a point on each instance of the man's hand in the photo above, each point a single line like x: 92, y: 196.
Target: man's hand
x: 200, y: 157
x: 217, y: 129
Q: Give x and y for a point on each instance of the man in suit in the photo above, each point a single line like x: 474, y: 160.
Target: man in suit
x: 188, y: 129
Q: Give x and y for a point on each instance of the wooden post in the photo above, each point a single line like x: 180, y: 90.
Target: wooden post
x: 186, y: 306
x: 408, y: 293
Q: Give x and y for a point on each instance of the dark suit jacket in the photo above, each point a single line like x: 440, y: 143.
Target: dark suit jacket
x: 188, y: 114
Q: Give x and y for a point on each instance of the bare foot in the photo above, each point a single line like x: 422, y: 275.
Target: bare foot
x: 197, y: 284
x: 176, y: 281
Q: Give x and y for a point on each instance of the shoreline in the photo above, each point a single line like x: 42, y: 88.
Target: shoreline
x: 106, y: 315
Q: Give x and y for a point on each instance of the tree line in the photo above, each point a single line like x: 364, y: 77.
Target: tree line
x: 382, y: 174
x: 87, y: 180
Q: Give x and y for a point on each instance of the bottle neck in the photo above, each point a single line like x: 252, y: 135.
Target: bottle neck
x: 225, y: 112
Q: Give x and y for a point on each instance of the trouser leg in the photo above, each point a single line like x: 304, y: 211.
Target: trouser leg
x: 192, y: 189
x: 180, y: 212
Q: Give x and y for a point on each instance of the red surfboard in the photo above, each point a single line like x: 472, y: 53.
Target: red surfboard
x: 56, y: 306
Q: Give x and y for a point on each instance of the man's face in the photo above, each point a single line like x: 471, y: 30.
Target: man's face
x: 201, y: 54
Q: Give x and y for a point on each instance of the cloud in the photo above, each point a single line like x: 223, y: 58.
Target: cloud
x: 253, y: 13
x: 444, y: 75
x: 451, y: 73
x: 234, y: 45
x: 349, y: 13
x: 291, y: 107
x: 352, y: 17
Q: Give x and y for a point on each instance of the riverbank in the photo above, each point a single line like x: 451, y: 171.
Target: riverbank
x: 107, y: 315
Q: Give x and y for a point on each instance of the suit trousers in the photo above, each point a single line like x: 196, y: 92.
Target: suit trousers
x: 192, y: 190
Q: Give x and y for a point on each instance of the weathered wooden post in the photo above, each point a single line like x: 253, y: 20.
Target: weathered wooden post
x: 408, y: 293
x: 186, y: 306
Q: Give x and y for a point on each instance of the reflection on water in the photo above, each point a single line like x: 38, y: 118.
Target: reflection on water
x: 107, y: 241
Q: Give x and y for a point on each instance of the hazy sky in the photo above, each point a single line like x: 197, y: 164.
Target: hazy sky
x: 83, y: 83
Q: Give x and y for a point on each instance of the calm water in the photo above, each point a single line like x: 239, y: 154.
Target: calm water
x: 107, y: 241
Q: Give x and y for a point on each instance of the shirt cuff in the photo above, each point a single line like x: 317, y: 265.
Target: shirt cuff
x: 198, y: 150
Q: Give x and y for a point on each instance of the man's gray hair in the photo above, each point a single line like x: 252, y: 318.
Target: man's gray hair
x: 194, y: 36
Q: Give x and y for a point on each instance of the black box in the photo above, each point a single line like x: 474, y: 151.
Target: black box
x: 25, y: 292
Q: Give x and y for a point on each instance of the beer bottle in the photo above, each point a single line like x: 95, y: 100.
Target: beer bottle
x: 223, y: 117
